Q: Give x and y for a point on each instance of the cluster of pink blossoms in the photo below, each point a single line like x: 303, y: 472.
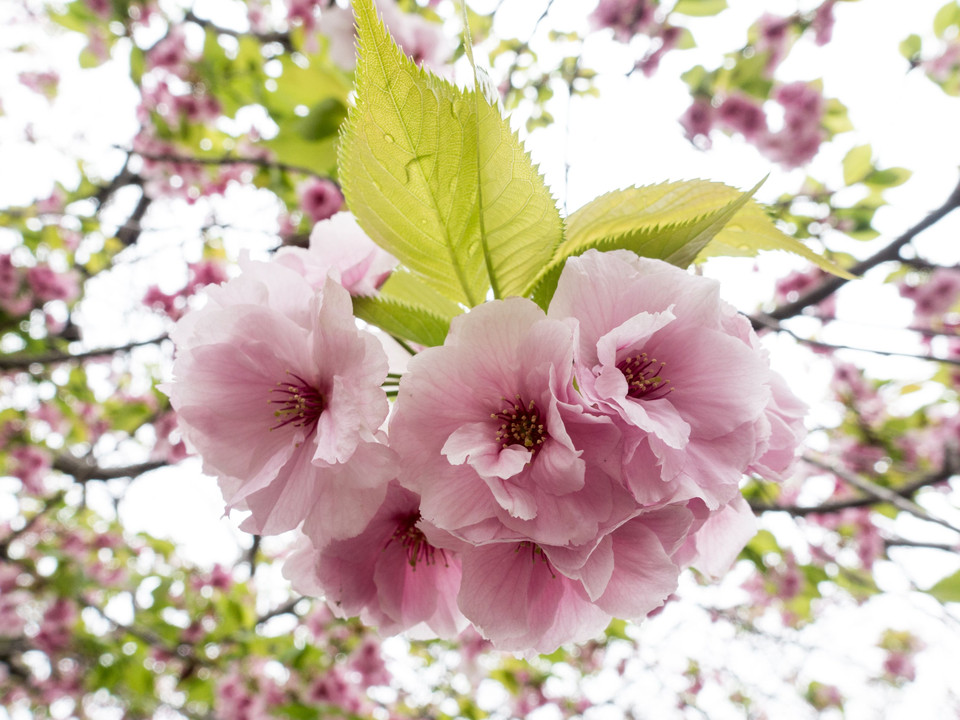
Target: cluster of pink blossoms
x: 793, y: 145
x: 540, y: 473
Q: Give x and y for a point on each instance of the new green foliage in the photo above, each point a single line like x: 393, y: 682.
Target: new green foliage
x: 435, y: 176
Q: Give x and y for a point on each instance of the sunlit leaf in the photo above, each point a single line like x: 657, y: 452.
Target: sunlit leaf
x: 857, y: 164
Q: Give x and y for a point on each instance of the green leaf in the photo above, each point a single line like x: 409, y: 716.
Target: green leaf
x: 700, y: 8
x: 436, y: 177
x: 888, y: 177
x: 323, y: 120
x: 857, y: 164
x: 669, y: 221
x: 948, y: 589
x: 403, y: 320
x: 836, y: 118
x: 520, y: 227
x: 408, y: 165
x: 946, y: 16
x: 910, y: 47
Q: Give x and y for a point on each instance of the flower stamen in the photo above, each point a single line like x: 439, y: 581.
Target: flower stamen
x: 521, y: 425
x: 415, y: 542
x: 643, y: 375
x: 536, y: 553
x: 300, y: 403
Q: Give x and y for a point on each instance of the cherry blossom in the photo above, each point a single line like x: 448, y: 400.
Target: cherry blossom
x: 390, y: 575
x: 280, y: 393
x: 652, y: 341
x: 517, y: 454
x: 339, y: 247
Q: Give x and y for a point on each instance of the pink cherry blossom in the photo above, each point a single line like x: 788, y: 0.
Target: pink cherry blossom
x: 420, y: 39
x: 48, y: 284
x: 698, y: 121
x: 625, y: 17
x: 801, y: 136
x: 739, y: 113
x: 653, y: 342
x: 774, y: 37
x: 389, y: 575
x: 279, y: 392
x: 519, y: 601
x: 340, y: 247
x: 937, y: 295
x: 522, y: 595
x: 495, y: 439
x: 320, y: 198
x: 822, y: 23
x: 30, y: 465
x: 665, y: 40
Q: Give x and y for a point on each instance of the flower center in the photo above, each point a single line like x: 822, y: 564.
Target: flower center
x: 643, y: 377
x: 521, y: 425
x: 300, y: 404
x: 536, y: 553
x: 414, y: 542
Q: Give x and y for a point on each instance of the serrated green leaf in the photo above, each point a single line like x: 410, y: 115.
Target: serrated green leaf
x: 403, y: 320
x: 948, y: 589
x: 436, y: 177
x: 669, y: 221
x: 857, y: 164
x: 520, y: 227
x: 700, y: 8
x: 408, y: 165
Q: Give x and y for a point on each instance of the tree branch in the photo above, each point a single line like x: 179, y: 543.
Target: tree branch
x: 49, y: 503
x: 906, y: 491
x: 269, y: 37
x: 891, y: 252
x: 23, y: 362
x: 286, y: 608
x: 228, y: 160
x: 83, y: 470
x: 770, y: 322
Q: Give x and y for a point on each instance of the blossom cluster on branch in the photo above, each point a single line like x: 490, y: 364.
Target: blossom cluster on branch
x: 542, y: 471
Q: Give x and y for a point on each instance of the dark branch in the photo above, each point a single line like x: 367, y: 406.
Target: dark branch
x: 269, y: 37
x: 83, y: 470
x: 23, y: 362
x: 919, y: 544
x: 285, y: 609
x: 48, y: 505
x: 905, y: 491
x: 891, y: 252
x: 769, y: 322
x: 230, y: 160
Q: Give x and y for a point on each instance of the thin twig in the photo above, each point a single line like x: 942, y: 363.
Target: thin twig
x: 770, y: 322
x: 228, y: 160
x: 891, y: 252
x: 23, y: 362
x: 879, y: 492
x: 49, y: 503
x: 905, y: 491
x: 285, y: 609
x: 83, y: 470
x: 268, y: 37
